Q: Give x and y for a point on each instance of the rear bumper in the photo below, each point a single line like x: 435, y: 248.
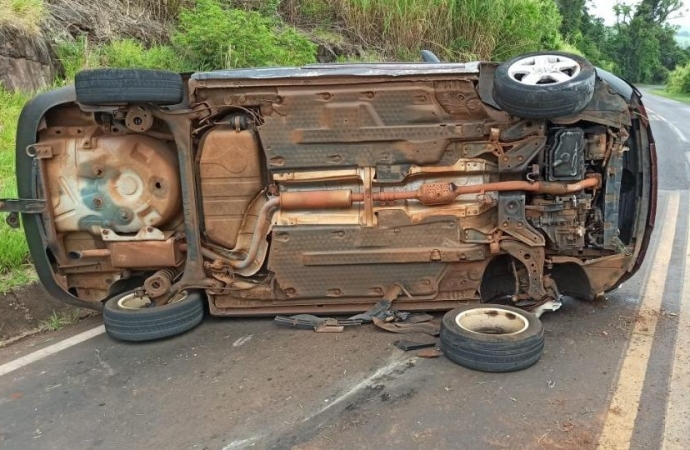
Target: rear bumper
x: 27, y: 187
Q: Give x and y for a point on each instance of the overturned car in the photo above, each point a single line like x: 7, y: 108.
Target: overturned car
x: 328, y: 187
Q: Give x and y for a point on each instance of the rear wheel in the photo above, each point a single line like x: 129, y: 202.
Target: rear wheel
x: 492, y: 338
x: 117, y: 86
x: 134, y: 317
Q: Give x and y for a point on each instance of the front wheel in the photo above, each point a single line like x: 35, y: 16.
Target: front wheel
x: 133, y: 317
x: 492, y: 338
x: 544, y: 85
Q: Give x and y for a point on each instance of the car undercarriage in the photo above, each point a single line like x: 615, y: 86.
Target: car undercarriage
x: 325, y: 188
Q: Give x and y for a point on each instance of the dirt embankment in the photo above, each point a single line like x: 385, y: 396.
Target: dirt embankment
x: 30, y: 310
x: 27, y: 63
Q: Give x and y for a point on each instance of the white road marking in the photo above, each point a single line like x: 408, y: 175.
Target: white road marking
x: 243, y: 340
x: 675, y: 129
x: 50, y: 350
x: 620, y: 419
x: 242, y: 443
x: 653, y: 115
x: 677, y: 423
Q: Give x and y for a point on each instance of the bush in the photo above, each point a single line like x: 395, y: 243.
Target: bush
x: 213, y: 37
x: 454, y: 29
x: 679, y: 80
x: 76, y: 55
x: 207, y: 37
x: 79, y: 54
x: 128, y: 53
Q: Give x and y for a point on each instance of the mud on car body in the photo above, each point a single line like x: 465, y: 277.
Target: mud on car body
x: 286, y: 190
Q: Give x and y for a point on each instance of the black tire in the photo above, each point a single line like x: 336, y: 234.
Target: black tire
x: 493, y: 351
x: 150, y: 323
x: 544, y: 101
x: 117, y: 86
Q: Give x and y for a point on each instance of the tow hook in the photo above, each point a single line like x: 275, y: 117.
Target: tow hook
x: 15, y: 206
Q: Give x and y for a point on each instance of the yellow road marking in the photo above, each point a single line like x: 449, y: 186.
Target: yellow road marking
x: 620, y: 419
x: 677, y: 423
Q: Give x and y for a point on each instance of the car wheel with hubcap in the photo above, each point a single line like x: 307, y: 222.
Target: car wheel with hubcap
x: 132, y: 316
x: 544, y: 85
x: 492, y: 338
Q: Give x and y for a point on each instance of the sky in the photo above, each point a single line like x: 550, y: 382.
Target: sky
x: 604, y: 9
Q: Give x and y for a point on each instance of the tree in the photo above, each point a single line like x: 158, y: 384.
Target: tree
x: 642, y: 44
x: 572, y: 12
x: 586, y: 33
x: 658, y: 12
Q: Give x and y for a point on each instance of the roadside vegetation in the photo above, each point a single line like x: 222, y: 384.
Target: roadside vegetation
x: 678, y: 86
x: 15, y: 267
x: 681, y: 97
x: 190, y: 35
x: 57, y: 321
x: 641, y: 46
x: 26, y: 14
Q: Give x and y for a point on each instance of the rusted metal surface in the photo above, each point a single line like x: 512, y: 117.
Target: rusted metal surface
x: 532, y: 258
x: 293, y: 248
x: 22, y: 206
x: 230, y: 173
x: 144, y: 234
x: 146, y: 254
x: 235, y: 306
x: 429, y: 353
x: 139, y: 119
x: 159, y: 283
x: 362, y: 125
x: 122, y: 183
x: 512, y: 220
x: 320, y: 189
x: 604, y: 273
x: 181, y: 128
x: 89, y: 253
x: 429, y: 194
x: 317, y: 199
x: 259, y: 235
x: 430, y: 328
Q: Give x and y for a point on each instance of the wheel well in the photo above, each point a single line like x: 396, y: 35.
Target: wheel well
x: 572, y: 280
x: 498, y: 279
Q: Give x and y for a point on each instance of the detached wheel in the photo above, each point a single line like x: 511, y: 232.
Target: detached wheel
x: 492, y: 338
x: 117, y: 86
x: 130, y: 317
x: 544, y: 85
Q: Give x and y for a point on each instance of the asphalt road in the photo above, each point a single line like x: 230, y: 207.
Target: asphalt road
x: 615, y: 373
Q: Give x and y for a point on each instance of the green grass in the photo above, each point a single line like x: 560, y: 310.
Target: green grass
x: 58, y: 321
x: 15, y: 269
x: 78, y: 54
x: 685, y: 98
x: 23, y: 14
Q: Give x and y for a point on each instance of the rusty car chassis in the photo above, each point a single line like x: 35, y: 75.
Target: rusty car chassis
x: 323, y: 188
